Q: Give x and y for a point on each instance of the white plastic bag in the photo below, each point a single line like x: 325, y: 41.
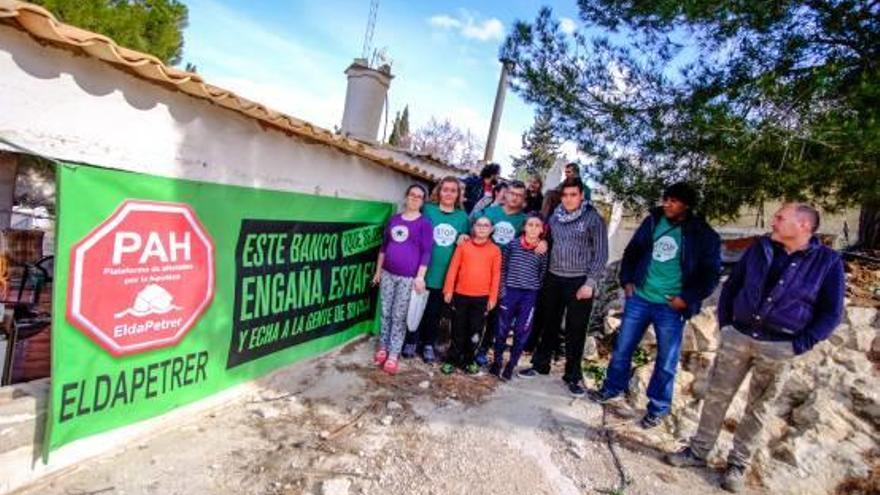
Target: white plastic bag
x: 417, y: 303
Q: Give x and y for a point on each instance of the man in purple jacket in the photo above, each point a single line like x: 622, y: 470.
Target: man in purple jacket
x: 783, y: 297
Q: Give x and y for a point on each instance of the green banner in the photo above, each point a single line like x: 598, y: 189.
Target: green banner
x: 167, y: 291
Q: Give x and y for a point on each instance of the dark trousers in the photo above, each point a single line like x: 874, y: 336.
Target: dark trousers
x: 467, y: 325
x: 538, y: 324
x: 517, y: 308
x: 426, y: 334
x: 558, y: 296
x: 488, y: 339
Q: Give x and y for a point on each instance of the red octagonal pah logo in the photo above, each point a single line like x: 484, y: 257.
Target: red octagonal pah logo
x: 141, y: 279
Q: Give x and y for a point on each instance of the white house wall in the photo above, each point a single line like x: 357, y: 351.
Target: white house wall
x: 76, y: 108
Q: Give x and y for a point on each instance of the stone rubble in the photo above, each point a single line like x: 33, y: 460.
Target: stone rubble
x: 828, y: 417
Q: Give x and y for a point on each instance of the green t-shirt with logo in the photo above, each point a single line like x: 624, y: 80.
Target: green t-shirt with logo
x: 447, y: 227
x: 506, y: 227
x: 664, y: 272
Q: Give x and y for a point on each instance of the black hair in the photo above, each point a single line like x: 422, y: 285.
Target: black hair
x: 572, y: 182
x: 418, y: 186
x: 683, y: 192
x: 489, y: 170
x: 517, y: 184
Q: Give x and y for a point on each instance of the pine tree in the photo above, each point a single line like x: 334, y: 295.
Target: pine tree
x: 400, y: 129
x: 151, y: 26
x: 751, y: 100
x: 541, y: 148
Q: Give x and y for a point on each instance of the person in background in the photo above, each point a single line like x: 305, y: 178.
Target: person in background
x: 783, y: 297
x: 573, y: 170
x: 671, y: 264
x: 471, y: 286
x: 534, y: 196
x: 522, y: 274
x: 551, y: 201
x: 497, y: 198
x: 475, y: 187
x: 578, y: 254
x: 401, y: 267
x: 507, y: 222
x: 449, y: 222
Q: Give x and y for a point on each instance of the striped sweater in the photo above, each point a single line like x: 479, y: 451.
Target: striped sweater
x: 522, y: 268
x: 578, y: 244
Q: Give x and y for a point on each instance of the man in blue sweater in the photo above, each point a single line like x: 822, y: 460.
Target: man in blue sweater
x: 670, y: 265
x: 783, y: 297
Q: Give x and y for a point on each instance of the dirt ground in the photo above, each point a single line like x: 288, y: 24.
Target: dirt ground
x: 337, y: 425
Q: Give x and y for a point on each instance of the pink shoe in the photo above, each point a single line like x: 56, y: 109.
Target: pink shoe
x: 380, y: 357
x: 390, y: 366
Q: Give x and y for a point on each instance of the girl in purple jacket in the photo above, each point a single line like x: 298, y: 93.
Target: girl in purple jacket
x: 403, y: 261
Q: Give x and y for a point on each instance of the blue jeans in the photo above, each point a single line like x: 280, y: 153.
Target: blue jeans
x: 668, y: 326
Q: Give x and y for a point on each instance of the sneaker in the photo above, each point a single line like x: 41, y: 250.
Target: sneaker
x: 495, y: 369
x: 650, y: 421
x: 600, y: 397
x: 482, y: 359
x: 734, y: 478
x: 472, y: 369
x: 380, y: 357
x: 529, y: 373
x: 428, y: 355
x: 447, y: 368
x: 576, y: 390
x: 390, y: 365
x: 507, y: 374
x: 409, y: 351
x: 684, y: 458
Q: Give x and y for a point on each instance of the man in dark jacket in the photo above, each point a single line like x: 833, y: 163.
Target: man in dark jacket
x: 671, y: 264
x: 783, y: 297
x: 475, y: 187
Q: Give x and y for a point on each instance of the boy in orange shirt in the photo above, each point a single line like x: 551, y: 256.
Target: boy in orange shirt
x: 471, y: 287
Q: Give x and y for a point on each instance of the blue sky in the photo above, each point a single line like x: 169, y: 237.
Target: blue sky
x: 290, y: 56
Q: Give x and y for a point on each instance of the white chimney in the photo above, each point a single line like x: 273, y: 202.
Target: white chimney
x: 364, y: 100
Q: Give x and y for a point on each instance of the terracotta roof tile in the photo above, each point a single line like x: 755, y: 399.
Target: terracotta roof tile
x: 41, y: 24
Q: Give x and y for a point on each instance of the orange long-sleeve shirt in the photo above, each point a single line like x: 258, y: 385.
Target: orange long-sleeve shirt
x: 475, y: 270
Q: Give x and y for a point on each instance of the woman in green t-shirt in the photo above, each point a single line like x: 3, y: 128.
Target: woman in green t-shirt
x: 449, y: 221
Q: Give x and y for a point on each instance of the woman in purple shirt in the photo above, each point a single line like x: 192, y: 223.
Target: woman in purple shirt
x: 403, y: 261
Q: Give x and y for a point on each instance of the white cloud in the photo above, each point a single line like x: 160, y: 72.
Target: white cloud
x: 491, y: 29
x: 567, y: 25
x: 444, y: 21
x: 469, y: 26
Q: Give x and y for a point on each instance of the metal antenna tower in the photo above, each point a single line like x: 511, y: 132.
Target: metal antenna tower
x: 371, y: 26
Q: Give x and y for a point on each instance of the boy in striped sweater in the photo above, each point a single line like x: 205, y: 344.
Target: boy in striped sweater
x: 522, y: 271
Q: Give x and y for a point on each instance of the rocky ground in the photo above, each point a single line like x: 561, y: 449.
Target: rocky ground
x: 827, y: 427
x: 336, y: 425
